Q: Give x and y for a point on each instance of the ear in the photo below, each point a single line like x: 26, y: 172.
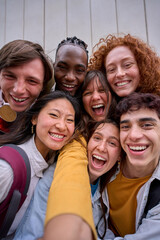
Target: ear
x: 34, y: 120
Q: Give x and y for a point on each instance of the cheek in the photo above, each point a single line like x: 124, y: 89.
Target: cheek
x: 86, y: 103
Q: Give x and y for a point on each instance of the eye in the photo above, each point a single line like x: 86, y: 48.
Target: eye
x: 111, y: 70
x: 80, y: 70
x: 32, y: 81
x: 53, y: 115
x: 124, y: 127
x: 147, y: 125
x: 87, y: 93
x: 69, y: 120
x: 128, y: 64
x: 101, y: 90
x: 8, y: 76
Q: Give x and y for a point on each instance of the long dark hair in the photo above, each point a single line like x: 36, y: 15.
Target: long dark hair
x: 104, y: 179
x: 21, y: 129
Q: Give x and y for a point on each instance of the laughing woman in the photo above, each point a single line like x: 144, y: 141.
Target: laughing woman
x: 43, y: 130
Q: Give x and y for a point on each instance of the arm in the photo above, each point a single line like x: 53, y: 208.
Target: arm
x: 70, y: 194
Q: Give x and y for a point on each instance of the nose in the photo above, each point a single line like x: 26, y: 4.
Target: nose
x: 19, y: 87
x: 95, y: 95
x: 70, y: 76
x: 120, y: 72
x: 102, y: 147
x: 135, y: 133
x: 61, y: 124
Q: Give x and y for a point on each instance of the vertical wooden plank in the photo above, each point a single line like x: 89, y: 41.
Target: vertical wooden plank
x: 34, y: 21
x: 131, y: 17
x: 14, y: 20
x: 78, y: 20
x: 55, y: 25
x: 2, y: 22
x: 103, y: 14
x: 153, y: 23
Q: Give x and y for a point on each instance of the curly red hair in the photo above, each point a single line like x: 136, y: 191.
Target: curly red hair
x: 147, y: 60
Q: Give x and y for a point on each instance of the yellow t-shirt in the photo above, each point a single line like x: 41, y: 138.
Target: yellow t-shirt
x: 122, y: 194
x: 70, y: 190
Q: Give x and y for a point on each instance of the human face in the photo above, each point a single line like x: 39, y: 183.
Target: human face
x: 103, y: 150
x: 140, y: 139
x: 95, y: 100
x: 54, y: 125
x: 122, y: 71
x: 21, y: 85
x: 70, y: 68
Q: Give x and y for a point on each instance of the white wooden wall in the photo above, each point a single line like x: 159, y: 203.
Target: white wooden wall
x: 50, y: 21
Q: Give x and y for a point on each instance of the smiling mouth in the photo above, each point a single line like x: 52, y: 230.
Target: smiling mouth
x: 19, y: 99
x: 98, y: 109
x: 138, y: 148
x: 69, y: 86
x: 57, y: 136
x: 120, y: 84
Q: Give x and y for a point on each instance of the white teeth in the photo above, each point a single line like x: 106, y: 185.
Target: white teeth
x: 122, y: 83
x: 56, y: 135
x: 19, y: 100
x: 137, y: 148
x: 69, y: 86
x: 99, y: 158
x: 97, y: 106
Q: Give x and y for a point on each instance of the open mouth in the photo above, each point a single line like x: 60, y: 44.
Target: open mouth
x: 97, y: 161
x: 98, y: 109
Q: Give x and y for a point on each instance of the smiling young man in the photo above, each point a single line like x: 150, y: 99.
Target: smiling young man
x: 139, y: 116
x: 70, y: 65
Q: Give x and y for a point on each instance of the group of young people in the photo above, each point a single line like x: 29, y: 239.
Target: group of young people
x: 92, y: 141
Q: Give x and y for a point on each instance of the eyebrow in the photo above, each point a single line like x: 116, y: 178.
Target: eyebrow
x: 77, y: 65
x: 57, y: 110
x: 108, y: 136
x: 5, y: 70
x: 140, y: 120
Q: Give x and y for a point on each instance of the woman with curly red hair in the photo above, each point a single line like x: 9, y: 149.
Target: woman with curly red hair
x: 129, y: 63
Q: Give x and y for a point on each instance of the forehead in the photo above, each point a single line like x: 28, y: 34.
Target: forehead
x: 71, y: 53
x: 143, y: 113
x: 108, y: 128
x: 61, y: 104
x: 119, y: 52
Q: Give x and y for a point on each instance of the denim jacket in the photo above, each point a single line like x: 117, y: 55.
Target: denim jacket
x: 147, y: 229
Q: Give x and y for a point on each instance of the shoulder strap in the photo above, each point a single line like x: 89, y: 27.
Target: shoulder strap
x: 153, y: 197
x: 19, y: 162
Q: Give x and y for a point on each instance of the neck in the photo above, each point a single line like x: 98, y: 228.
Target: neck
x: 132, y: 171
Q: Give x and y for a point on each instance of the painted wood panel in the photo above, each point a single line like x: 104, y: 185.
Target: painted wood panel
x: 103, y: 16
x: 14, y: 20
x: 131, y: 18
x: 2, y: 22
x: 78, y: 20
x: 34, y: 21
x: 153, y: 23
x: 55, y: 25
x: 50, y: 21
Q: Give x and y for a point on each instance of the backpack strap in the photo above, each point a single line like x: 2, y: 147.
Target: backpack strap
x: 19, y: 162
x: 153, y: 197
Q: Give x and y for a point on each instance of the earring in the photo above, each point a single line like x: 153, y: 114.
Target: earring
x: 32, y: 129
